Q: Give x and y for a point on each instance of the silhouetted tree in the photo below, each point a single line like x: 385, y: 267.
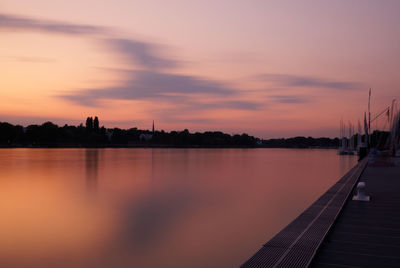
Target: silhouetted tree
x: 49, y: 134
x: 7, y: 133
x: 89, y: 124
x: 96, y: 124
x: 301, y: 142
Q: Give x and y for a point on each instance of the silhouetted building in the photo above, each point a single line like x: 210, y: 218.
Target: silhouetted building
x: 145, y: 137
x: 109, y: 134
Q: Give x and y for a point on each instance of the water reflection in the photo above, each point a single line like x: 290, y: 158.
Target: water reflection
x: 345, y: 162
x: 92, y: 168
x: 153, y: 207
x: 148, y: 220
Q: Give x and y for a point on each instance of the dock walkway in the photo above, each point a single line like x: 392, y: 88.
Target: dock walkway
x: 367, y: 234
x: 297, y: 243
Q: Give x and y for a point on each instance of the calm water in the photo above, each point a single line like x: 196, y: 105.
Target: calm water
x: 153, y: 207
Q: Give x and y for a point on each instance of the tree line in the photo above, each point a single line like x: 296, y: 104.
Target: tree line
x: 378, y: 139
x: 301, y: 142
x: 91, y: 134
x: 49, y: 134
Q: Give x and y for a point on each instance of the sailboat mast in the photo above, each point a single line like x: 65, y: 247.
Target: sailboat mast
x: 359, y: 135
x: 369, y: 111
x: 369, y: 119
x: 341, y: 133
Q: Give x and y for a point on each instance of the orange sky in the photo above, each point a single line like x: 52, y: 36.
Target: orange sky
x: 268, y: 68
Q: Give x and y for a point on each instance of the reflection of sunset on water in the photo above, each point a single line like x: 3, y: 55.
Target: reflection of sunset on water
x: 42, y: 220
x: 151, y: 207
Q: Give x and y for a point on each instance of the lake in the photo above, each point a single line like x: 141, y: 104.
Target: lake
x: 153, y: 207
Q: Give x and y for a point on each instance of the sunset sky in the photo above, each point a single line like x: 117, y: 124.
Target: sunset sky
x: 267, y: 68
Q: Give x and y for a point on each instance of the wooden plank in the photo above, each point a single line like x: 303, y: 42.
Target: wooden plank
x: 367, y: 234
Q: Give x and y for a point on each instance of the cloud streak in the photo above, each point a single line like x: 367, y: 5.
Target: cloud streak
x: 18, y: 23
x: 307, y: 81
x: 152, y: 85
x: 289, y: 99
x: 152, y: 81
x: 33, y: 59
x: 139, y: 52
x: 135, y: 51
x: 172, y: 88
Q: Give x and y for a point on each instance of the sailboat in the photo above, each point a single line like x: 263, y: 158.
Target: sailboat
x: 343, y: 140
x: 359, y: 141
x: 350, y: 149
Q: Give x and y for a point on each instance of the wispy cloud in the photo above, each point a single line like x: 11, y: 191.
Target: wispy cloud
x: 193, y: 105
x: 138, y: 52
x: 239, y: 105
x: 290, y: 99
x: 151, y: 85
x: 189, y: 110
x: 184, y: 92
x: 152, y: 81
x: 33, y: 59
x: 19, y: 23
x: 307, y: 81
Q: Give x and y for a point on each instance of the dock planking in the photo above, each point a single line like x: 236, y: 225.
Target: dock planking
x: 297, y: 243
x: 367, y: 234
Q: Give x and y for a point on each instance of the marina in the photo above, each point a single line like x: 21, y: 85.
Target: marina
x: 347, y: 227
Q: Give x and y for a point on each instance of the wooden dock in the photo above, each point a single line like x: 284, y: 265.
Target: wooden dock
x: 367, y: 234
x: 297, y: 244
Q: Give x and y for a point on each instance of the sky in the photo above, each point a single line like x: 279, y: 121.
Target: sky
x: 267, y: 68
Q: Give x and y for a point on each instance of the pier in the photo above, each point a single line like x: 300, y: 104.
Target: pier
x: 367, y: 234
x: 336, y: 231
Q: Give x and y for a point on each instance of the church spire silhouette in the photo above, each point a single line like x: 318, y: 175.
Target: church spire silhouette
x: 153, y: 126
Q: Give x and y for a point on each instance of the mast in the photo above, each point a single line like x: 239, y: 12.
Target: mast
x: 369, y: 116
x: 341, y: 133
x: 394, y: 120
x: 351, y: 143
x: 359, y: 135
x: 353, y: 138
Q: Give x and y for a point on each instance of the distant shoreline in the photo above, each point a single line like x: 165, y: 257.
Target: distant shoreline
x: 156, y: 147
x: 92, y: 135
